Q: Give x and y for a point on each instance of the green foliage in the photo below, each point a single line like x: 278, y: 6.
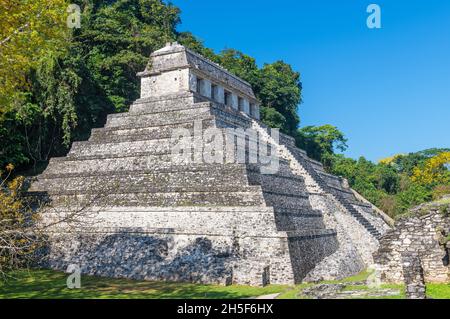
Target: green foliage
x: 75, y: 83
x: 190, y: 41
x: 279, y: 87
x: 440, y: 190
x: 73, y: 90
x: 28, y: 29
x: 438, y: 291
x: 390, y: 184
x: 414, y: 195
x: 320, y: 142
x: 273, y: 118
x: 17, y: 236
x: 405, y: 163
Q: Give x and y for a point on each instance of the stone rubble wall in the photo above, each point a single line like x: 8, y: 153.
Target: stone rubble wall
x: 413, y: 276
x: 415, y: 235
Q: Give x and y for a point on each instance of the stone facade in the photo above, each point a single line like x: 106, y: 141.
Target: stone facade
x: 176, y: 69
x: 423, y: 235
x: 143, y: 213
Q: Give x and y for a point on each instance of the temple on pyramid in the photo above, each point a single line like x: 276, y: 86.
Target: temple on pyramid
x: 151, y: 196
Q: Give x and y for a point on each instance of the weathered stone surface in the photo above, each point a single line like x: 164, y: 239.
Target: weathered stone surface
x: 420, y: 234
x: 147, y: 215
x: 413, y: 276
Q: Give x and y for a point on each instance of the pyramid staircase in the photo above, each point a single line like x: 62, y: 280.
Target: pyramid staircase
x: 323, y: 182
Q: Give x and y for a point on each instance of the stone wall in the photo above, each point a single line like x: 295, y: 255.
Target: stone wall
x: 204, y: 245
x: 176, y: 69
x: 421, y: 234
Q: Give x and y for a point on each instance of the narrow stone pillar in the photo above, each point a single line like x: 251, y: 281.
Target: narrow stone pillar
x: 205, y: 88
x: 413, y: 276
x: 246, y: 106
x: 234, y: 101
x: 193, y: 82
x: 257, y: 115
x: 219, y: 94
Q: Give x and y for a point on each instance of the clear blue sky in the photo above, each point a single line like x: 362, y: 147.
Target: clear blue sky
x: 388, y: 90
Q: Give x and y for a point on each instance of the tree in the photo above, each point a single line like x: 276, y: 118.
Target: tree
x: 405, y: 163
x: 27, y: 224
x: 28, y: 29
x: 17, y: 237
x: 434, y: 171
x: 320, y: 142
x: 240, y: 64
x: 273, y: 118
x: 279, y: 87
x: 193, y: 43
x: 117, y: 39
x: 72, y: 90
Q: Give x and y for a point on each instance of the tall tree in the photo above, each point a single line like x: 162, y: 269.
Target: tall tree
x: 279, y: 87
x: 74, y: 89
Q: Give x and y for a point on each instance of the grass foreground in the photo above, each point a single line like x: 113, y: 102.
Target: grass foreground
x: 48, y: 284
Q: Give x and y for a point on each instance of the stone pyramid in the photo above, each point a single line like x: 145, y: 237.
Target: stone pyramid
x: 134, y: 208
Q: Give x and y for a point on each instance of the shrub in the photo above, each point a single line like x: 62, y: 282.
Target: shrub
x: 441, y: 190
x: 17, y: 236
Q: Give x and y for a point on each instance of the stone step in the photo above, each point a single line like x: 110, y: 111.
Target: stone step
x: 134, y: 161
x: 293, y: 222
x: 299, y: 211
x: 311, y: 166
x: 157, y: 146
x: 285, y: 200
x: 146, y: 199
x: 170, y: 181
x: 311, y: 233
x: 230, y: 118
x: 86, y: 148
x: 116, y: 185
x: 131, y: 161
x: 284, y: 170
x: 165, y: 103
x: 117, y: 162
x: 116, y: 134
x: 276, y: 182
x: 208, y: 131
x: 185, y: 109
x: 124, y: 120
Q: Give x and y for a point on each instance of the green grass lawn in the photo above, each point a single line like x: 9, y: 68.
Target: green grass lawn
x: 51, y: 284
x: 438, y: 291
x: 48, y: 284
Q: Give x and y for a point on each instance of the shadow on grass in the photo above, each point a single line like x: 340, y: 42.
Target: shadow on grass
x: 47, y: 284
